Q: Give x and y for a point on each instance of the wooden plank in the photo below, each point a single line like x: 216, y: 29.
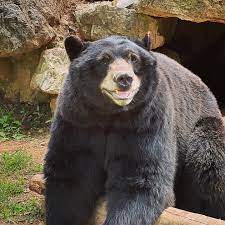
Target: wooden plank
x: 170, y: 216
x: 173, y: 216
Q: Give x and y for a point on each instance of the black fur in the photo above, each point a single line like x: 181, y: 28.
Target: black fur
x: 74, y: 46
x: 170, y: 137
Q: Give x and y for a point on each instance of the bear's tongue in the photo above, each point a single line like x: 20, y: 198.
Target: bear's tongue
x: 123, y: 94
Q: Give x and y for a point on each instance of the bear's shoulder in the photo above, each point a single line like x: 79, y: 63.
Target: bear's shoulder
x: 172, y: 69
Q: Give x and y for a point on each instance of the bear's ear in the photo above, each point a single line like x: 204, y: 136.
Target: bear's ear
x: 147, y: 41
x: 74, y: 46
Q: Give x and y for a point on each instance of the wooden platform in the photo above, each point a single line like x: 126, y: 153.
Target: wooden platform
x: 170, y: 216
x: 173, y: 216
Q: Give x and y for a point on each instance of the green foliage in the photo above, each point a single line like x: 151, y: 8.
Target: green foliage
x: 34, y: 117
x: 9, y: 126
x: 18, y: 120
x: 16, y: 204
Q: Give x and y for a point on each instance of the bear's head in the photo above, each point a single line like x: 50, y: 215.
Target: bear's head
x: 112, y: 74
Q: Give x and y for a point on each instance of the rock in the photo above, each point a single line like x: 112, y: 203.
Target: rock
x: 50, y: 73
x: 5, y: 69
x: 24, y: 25
x: 15, y: 76
x: 99, y: 20
x: 53, y: 104
x: 123, y: 3
x: 196, y: 11
x: 37, y: 184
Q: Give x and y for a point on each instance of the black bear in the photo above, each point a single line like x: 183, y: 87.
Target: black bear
x: 138, y: 128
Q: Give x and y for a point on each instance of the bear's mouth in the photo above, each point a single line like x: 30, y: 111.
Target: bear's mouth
x: 120, y: 94
x: 121, y: 98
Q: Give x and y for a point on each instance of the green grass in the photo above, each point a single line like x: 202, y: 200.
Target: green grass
x: 14, y: 162
x: 27, y: 211
x: 16, y: 204
x: 10, y: 188
x: 38, y: 168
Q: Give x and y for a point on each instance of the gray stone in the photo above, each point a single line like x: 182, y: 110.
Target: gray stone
x: 50, y: 73
x: 15, y: 76
x: 24, y: 25
x: 100, y: 20
x: 192, y: 10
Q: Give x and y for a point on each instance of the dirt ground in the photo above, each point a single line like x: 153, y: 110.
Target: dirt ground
x: 36, y: 146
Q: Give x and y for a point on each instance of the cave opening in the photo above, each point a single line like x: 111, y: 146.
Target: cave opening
x: 201, y: 48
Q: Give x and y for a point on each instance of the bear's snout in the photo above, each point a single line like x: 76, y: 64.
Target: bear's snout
x: 123, y: 81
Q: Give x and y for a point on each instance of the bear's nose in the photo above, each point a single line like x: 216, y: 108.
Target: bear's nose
x: 124, y: 81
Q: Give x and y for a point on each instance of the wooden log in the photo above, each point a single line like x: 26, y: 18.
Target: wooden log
x: 170, y: 216
x: 173, y: 216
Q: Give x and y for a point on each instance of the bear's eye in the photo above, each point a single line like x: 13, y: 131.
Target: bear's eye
x: 133, y: 57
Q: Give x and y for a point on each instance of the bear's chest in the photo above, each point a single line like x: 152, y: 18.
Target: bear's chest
x: 106, y: 146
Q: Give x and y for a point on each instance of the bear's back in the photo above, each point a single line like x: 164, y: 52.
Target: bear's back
x: 191, y: 97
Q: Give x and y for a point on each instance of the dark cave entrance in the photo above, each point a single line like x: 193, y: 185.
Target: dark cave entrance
x: 201, y: 48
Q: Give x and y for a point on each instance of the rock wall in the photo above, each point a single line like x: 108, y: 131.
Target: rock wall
x: 26, y: 28
x: 15, y: 76
x: 192, y: 10
x: 33, y: 62
x: 99, y: 20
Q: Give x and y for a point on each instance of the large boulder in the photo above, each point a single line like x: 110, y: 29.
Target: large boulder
x: 196, y: 11
x: 99, y: 20
x: 15, y: 76
x: 5, y: 70
x: 50, y: 73
x: 25, y: 25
